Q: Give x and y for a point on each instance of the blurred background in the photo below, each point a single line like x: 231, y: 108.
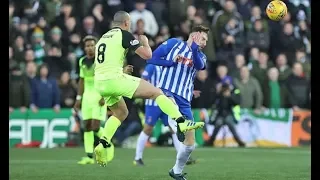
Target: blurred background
x: 268, y: 62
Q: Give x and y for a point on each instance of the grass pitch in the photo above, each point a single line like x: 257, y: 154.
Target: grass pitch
x: 213, y: 164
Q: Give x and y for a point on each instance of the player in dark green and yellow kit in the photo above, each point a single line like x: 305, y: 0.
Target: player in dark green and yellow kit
x: 93, y: 108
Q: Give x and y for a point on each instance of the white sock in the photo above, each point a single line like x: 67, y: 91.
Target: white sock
x: 176, y: 142
x: 141, y: 143
x: 182, y: 157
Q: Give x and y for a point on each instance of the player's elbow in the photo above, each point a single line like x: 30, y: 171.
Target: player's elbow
x: 147, y: 55
x: 144, y: 53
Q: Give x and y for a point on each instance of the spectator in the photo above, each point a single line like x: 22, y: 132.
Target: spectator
x: 44, y: 91
x: 66, y: 12
x: 38, y: 45
x: 284, y: 69
x: 55, y: 37
x: 67, y: 91
x: 52, y: 8
x: 232, y: 40
x: 31, y: 71
x: 255, y: 15
x: 302, y: 58
x: 222, y: 17
x: 253, y: 56
x: 28, y: 57
x: 140, y: 30
x: 18, y: 49
x: 303, y: 33
x: 70, y: 28
x: 12, y: 62
x: 89, y: 27
x: 298, y: 88
x: 100, y: 17
x: 239, y: 63
x: 275, y: 95
x: 223, y: 78
x: 259, y: 70
x: 56, y: 62
x: 19, y: 90
x: 140, y: 12
x: 289, y: 43
x: 244, y: 7
x: 250, y: 90
x: 204, y: 88
x: 258, y: 36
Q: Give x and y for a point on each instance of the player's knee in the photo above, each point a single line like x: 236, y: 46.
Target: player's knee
x: 95, y: 125
x: 121, y: 114
x: 147, y: 129
x: 88, y: 125
x: 155, y: 93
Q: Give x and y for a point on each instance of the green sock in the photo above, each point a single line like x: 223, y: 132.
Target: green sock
x: 168, y: 107
x: 99, y: 132
x: 88, y: 138
x: 110, y: 128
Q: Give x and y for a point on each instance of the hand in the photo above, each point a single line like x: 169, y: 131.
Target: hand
x: 230, y: 39
x: 102, y: 102
x: 227, y: 93
x: 128, y: 69
x: 218, y: 87
x: 196, y: 93
x: 34, y: 109
x: 296, y: 108
x: 11, y: 109
x: 23, y: 109
x: 56, y: 108
x: 69, y: 101
x: 77, y: 105
x: 144, y: 40
x: 196, y: 38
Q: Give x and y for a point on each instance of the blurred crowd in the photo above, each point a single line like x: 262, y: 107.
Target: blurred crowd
x: 269, y: 62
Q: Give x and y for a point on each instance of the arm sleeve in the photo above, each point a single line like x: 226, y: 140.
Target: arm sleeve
x: 129, y: 42
x: 163, y: 50
x: 148, y: 71
x: 81, y: 74
x: 199, y: 58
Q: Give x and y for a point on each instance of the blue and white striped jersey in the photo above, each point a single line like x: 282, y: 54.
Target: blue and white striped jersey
x: 179, y: 77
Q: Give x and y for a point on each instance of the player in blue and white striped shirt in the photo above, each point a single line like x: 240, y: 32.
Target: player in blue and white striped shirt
x: 181, y: 60
x: 153, y: 113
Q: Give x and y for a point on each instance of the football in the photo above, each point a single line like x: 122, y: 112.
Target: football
x: 276, y: 10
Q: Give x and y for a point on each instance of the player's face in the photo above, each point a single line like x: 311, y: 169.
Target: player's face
x: 203, y: 40
x: 89, y: 47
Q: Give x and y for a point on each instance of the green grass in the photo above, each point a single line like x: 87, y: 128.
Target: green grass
x: 213, y: 163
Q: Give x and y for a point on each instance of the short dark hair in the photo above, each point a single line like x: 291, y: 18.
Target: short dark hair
x: 200, y: 28
x: 89, y: 38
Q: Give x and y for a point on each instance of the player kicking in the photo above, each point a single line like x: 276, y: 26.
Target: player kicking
x: 153, y: 113
x: 92, y: 105
x: 181, y: 61
x: 112, y: 83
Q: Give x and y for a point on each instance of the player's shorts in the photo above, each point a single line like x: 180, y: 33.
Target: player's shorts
x: 183, y: 104
x: 153, y: 114
x: 113, y: 89
x: 90, y: 108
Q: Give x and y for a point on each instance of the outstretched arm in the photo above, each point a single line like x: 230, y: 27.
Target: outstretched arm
x: 158, y: 55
